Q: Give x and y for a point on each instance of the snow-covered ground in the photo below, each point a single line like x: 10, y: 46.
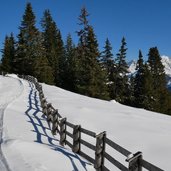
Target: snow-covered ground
x: 27, y: 143
x: 134, y: 129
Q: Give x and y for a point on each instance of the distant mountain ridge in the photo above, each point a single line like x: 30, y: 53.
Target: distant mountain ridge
x: 166, y: 61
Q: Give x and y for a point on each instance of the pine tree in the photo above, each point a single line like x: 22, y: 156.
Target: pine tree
x: 148, y: 90
x: 27, y: 42
x: 159, y: 78
x: 89, y: 74
x: 139, y: 82
x: 62, y: 61
x: 50, y: 34
x: 107, y: 58
x: 8, y: 54
x: 41, y: 68
x: 97, y: 86
x: 108, y: 65
x: 71, y: 64
x: 81, y: 52
x: 121, y: 78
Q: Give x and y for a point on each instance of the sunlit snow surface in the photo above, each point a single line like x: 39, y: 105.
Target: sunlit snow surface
x: 135, y: 129
x: 27, y: 142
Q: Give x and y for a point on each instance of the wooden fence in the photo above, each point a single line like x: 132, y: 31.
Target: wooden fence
x: 61, y: 125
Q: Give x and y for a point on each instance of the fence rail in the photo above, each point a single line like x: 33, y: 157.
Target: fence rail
x: 59, y: 125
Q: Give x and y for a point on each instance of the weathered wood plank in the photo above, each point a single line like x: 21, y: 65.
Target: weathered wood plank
x: 70, y: 124
x: 117, y: 147
x: 87, y: 144
x: 68, y: 143
x: 87, y: 157
x: 115, y: 162
x: 69, y: 134
x: 90, y: 133
x: 105, y: 168
x: 149, y: 166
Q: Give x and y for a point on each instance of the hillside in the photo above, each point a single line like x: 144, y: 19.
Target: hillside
x: 28, y: 144
x: 134, y: 129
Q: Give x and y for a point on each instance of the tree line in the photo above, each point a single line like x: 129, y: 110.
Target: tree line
x: 81, y: 67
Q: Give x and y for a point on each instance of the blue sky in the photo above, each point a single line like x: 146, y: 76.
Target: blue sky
x: 144, y: 23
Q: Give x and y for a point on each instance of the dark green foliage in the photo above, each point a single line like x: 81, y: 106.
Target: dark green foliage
x: 50, y: 35
x: 41, y: 68
x: 97, y: 85
x: 139, y: 82
x: 121, y: 71
x: 159, y: 79
x: 27, y: 43
x: 89, y: 75
x: 148, y: 102
x: 108, y: 65
x: 60, y: 81
x: 71, y: 64
x: 8, y: 54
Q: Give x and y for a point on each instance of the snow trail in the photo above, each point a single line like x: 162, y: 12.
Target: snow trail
x: 31, y: 145
x: 9, y: 92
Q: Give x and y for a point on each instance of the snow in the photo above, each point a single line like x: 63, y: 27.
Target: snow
x: 132, y: 66
x: 167, y: 64
x: 132, y: 128
x: 28, y: 145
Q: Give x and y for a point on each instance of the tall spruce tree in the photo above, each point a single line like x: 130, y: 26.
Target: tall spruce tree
x: 159, y: 78
x: 8, y: 54
x: 107, y: 59
x: 139, y: 82
x: 89, y: 75
x: 50, y: 34
x: 27, y: 42
x: 71, y: 64
x: 97, y: 86
x: 121, y: 78
x: 108, y: 65
x: 41, y: 68
x: 148, y: 102
x: 62, y: 61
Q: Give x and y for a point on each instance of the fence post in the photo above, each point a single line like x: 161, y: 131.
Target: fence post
x: 44, y: 106
x: 76, y: 138
x: 41, y: 95
x: 135, y: 162
x: 62, y: 131
x: 55, y: 122
x: 49, y: 112
x: 99, y: 153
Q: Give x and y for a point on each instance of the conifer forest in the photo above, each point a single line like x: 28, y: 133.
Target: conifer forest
x: 82, y: 67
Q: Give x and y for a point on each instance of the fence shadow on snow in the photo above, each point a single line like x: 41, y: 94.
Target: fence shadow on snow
x: 36, y: 118
x: 72, y: 135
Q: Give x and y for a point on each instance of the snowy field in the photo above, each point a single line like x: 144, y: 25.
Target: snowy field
x: 132, y: 128
x: 28, y: 145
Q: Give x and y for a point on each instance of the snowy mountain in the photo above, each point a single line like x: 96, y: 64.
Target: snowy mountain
x: 166, y: 61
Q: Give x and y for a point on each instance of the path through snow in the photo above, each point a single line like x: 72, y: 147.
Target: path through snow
x: 27, y: 141
x: 10, y: 89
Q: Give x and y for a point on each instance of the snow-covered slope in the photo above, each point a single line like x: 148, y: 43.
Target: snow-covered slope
x: 27, y: 142
x: 134, y: 129
x: 166, y: 61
